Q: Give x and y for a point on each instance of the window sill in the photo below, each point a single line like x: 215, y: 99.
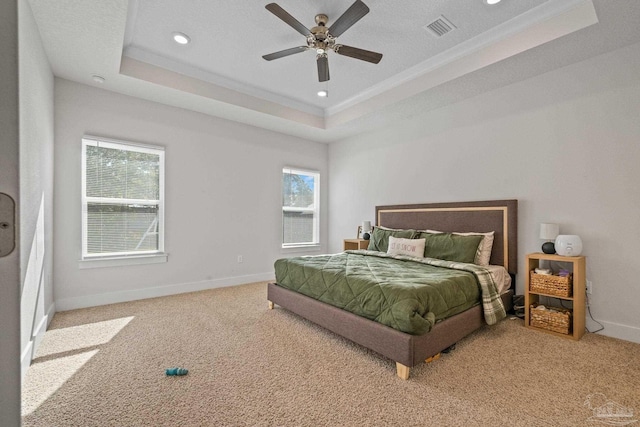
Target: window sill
x: 123, y: 260
x: 301, y: 248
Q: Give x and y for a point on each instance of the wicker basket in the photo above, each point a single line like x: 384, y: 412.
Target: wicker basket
x: 554, y: 319
x: 551, y: 285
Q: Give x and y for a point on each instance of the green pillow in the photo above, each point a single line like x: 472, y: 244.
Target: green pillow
x: 451, y: 247
x: 380, y: 237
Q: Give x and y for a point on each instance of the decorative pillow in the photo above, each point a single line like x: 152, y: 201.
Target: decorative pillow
x: 451, y: 247
x: 379, y: 240
x: 409, y: 247
x: 483, y: 254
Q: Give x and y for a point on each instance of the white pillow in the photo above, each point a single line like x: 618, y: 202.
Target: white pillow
x: 483, y: 254
x: 409, y: 247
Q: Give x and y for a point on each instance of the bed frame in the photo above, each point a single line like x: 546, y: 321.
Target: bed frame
x: 405, y: 349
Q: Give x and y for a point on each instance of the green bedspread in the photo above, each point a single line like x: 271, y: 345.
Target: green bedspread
x: 405, y: 293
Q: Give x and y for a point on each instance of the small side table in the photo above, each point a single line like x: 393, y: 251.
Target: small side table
x: 352, y: 244
x: 578, y: 268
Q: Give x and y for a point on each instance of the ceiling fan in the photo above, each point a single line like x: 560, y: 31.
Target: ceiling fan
x: 322, y: 38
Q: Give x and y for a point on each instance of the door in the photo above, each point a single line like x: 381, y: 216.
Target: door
x: 9, y: 185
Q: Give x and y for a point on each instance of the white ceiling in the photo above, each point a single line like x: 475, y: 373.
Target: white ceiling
x: 222, y: 73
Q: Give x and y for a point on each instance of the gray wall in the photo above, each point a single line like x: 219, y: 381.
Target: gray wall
x: 565, y: 144
x: 9, y: 184
x: 223, y: 196
x: 36, y: 185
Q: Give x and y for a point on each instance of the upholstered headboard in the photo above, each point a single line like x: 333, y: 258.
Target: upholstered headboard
x: 500, y: 216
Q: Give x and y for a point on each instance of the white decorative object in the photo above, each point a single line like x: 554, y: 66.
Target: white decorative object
x: 366, y: 226
x: 568, y: 245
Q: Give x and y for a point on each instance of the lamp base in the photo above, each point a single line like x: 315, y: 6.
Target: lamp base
x: 549, y: 248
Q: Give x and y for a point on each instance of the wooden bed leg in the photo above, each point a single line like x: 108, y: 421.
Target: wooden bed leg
x: 270, y: 305
x: 403, y: 371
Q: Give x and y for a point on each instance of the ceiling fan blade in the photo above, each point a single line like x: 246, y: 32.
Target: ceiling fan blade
x: 283, y: 53
x: 323, y: 68
x: 284, y: 15
x: 355, y: 12
x: 354, y: 52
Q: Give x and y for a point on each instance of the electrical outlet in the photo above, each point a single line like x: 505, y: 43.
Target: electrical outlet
x: 589, y: 287
x: 239, y: 259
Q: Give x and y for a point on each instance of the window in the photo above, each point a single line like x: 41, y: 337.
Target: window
x: 300, y: 208
x: 122, y: 199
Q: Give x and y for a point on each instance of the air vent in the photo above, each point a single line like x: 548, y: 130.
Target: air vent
x: 440, y: 26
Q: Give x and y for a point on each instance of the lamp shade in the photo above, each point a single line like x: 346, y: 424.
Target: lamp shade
x: 549, y: 231
x: 366, y: 226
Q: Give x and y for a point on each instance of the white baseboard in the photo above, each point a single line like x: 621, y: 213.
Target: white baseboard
x: 36, y: 338
x: 616, y: 330
x: 40, y: 329
x: 25, y: 359
x: 160, y: 291
x: 50, y: 313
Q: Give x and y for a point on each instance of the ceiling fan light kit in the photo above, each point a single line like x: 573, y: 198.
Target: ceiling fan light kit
x: 322, y: 39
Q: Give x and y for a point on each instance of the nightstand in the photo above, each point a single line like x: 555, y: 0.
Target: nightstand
x: 576, y: 296
x: 352, y: 244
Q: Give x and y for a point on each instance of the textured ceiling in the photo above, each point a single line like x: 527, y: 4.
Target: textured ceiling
x: 221, y: 72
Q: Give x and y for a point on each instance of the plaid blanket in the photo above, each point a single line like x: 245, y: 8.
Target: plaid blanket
x: 492, y: 306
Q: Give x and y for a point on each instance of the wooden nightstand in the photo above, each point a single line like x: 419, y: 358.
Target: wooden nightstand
x: 352, y: 244
x: 577, y: 298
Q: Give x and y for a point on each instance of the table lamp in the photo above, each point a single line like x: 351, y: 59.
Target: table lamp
x: 366, y: 229
x: 549, y: 232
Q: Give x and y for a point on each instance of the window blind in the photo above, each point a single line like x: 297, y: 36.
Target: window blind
x: 122, y: 198
x: 300, y: 207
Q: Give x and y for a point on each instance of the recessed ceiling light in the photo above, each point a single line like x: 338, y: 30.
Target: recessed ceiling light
x: 98, y: 79
x: 181, y: 38
x: 492, y: 1
x: 323, y: 93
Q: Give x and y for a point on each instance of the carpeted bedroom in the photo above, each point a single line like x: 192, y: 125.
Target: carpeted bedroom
x: 200, y: 225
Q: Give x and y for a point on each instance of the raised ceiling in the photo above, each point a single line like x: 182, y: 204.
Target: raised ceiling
x: 222, y: 73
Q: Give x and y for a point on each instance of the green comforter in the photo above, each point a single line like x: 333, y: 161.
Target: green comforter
x: 407, y: 294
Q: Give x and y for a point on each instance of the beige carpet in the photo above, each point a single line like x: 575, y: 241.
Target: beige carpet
x: 250, y: 366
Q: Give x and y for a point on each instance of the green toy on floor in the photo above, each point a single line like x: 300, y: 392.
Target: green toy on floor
x: 176, y: 371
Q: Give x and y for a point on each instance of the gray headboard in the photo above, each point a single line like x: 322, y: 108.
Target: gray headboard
x: 500, y: 216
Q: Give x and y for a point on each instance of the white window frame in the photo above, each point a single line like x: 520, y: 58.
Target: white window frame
x: 122, y: 258
x: 315, y: 210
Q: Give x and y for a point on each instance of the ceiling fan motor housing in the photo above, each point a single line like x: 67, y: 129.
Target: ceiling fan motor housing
x: 320, y: 32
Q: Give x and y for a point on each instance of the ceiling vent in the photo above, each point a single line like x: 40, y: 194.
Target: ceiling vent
x: 440, y: 26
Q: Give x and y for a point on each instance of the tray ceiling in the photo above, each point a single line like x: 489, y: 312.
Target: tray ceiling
x: 222, y: 73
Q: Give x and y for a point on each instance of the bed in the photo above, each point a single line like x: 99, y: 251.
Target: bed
x: 409, y: 349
